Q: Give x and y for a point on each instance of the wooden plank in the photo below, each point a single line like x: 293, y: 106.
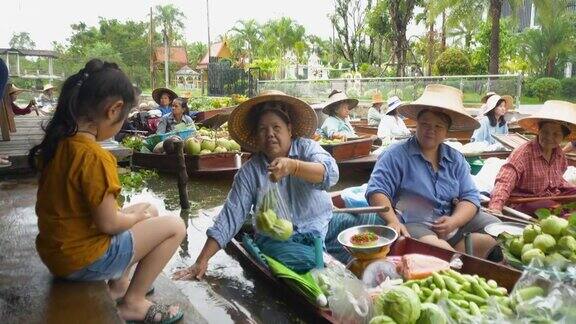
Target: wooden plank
x: 511, y: 140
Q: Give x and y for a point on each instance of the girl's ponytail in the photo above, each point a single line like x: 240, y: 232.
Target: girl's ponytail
x: 83, y: 96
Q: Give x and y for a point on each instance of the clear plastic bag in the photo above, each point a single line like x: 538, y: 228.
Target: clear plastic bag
x: 272, y: 217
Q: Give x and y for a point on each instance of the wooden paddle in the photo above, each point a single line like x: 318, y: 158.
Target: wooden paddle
x: 361, y: 210
x: 520, y: 200
x: 508, y: 210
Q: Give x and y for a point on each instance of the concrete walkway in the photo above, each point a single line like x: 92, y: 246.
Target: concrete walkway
x: 29, y: 294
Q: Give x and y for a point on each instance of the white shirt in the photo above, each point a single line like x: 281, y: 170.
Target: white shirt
x: 391, y: 126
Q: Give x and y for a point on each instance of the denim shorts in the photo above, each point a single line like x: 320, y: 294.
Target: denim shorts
x: 112, y: 264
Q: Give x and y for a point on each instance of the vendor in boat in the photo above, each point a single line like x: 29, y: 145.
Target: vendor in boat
x: 46, y: 99
x: 276, y: 128
x: 13, y: 92
x: 175, y: 117
x: 163, y: 97
x: 492, y: 120
x: 375, y: 112
x: 428, y: 182
x: 392, y: 124
x: 536, y: 168
x: 337, y: 125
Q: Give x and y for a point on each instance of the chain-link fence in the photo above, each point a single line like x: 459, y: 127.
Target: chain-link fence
x: 407, y: 88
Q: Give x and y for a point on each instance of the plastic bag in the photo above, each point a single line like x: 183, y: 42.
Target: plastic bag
x: 272, y: 217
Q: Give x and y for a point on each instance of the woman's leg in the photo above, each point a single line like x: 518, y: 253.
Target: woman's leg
x: 434, y: 240
x: 155, y: 241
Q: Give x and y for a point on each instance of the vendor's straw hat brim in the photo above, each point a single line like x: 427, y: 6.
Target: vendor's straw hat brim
x: 486, y: 96
x: 332, y: 103
x: 15, y: 90
x: 444, y: 99
x: 48, y: 87
x: 157, y: 93
x: 302, y: 118
x: 562, y: 112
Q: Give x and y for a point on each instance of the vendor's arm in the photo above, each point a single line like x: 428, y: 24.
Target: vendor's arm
x: 383, y: 184
x: 162, y: 126
x: 505, y: 183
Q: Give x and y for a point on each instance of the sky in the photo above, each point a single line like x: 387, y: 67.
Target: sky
x: 49, y: 21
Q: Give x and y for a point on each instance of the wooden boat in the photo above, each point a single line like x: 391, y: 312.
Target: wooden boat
x: 366, y: 129
x: 207, y: 164
x: 504, y: 276
x: 351, y: 149
x: 203, y: 115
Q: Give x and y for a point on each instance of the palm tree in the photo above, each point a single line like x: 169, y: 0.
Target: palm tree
x: 172, y: 21
x: 250, y: 32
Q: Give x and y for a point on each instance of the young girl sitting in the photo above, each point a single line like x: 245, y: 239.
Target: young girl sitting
x: 83, y: 236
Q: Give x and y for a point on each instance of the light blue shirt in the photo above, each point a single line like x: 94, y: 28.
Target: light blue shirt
x: 484, y: 133
x: 420, y: 193
x: 334, y: 124
x: 165, y: 110
x: 309, y: 204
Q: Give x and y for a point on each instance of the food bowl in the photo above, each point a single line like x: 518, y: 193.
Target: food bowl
x: 386, y: 236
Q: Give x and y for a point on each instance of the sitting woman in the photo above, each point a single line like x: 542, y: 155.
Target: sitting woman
x: 13, y: 92
x: 276, y: 127
x: 427, y: 181
x: 392, y: 124
x: 337, y: 125
x: 163, y: 97
x: 492, y: 121
x: 177, y: 116
x: 536, y: 168
x: 375, y: 112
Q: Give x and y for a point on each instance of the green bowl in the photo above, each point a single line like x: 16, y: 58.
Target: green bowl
x: 476, y: 164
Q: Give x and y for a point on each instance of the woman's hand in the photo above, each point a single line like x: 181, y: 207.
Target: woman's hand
x: 399, y: 228
x: 339, y: 136
x: 142, y: 210
x: 196, y: 271
x: 281, y: 167
x: 444, y: 225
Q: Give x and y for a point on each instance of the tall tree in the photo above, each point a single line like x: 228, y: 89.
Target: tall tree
x: 21, y: 40
x: 281, y: 36
x: 380, y: 28
x: 401, y: 12
x: 249, y: 35
x: 348, y: 20
x: 171, y: 20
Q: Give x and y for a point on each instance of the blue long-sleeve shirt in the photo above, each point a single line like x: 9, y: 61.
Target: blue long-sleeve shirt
x: 420, y: 193
x: 484, y: 133
x: 309, y: 204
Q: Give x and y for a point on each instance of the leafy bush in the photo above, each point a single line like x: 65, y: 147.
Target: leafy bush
x: 546, y: 88
x: 569, y: 88
x: 453, y: 61
x: 371, y: 71
x: 527, y: 84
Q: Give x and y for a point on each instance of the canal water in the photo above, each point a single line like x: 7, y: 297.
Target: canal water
x: 228, y: 293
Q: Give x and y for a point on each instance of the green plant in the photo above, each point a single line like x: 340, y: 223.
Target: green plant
x: 546, y: 88
x: 453, y: 61
x: 135, y: 180
x: 569, y: 88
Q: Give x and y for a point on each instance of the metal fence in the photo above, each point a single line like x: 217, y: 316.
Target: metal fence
x: 407, y: 88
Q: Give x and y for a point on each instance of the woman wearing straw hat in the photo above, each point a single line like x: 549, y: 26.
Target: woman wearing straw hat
x: 374, y: 113
x: 337, y: 107
x: 536, y: 168
x: 163, y: 97
x: 13, y: 92
x: 492, y: 120
x: 430, y: 182
x: 276, y: 127
x: 392, y: 124
x: 46, y: 99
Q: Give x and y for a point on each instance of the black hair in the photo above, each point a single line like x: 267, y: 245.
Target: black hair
x: 565, y: 129
x: 276, y: 107
x: 492, y: 116
x: 83, y: 97
x: 443, y: 116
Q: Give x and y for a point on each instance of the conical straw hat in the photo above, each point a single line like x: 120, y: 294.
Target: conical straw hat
x: 334, y: 99
x: 377, y: 98
x: 157, y: 93
x: 441, y: 98
x: 563, y: 112
x: 240, y: 125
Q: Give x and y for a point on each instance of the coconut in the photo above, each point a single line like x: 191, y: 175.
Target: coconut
x: 192, y: 146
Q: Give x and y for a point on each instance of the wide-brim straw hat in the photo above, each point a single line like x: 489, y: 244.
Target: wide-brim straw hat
x: 393, y: 103
x: 486, y: 96
x: 493, y: 102
x: 157, y: 93
x: 240, y: 126
x: 562, y: 112
x: 48, y: 87
x: 335, y: 98
x: 444, y: 99
x: 14, y: 89
x: 377, y: 98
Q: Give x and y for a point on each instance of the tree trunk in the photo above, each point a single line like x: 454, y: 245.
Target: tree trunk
x: 550, y: 67
x: 430, y: 47
x: 443, y: 30
x: 495, y: 12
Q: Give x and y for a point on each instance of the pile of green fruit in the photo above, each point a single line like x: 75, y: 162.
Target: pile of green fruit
x: 326, y: 141
x: 267, y: 221
x: 200, y: 146
x: 552, y: 242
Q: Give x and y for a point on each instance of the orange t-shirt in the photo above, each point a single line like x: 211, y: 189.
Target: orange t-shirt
x: 71, y: 186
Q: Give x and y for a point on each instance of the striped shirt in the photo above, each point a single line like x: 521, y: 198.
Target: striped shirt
x: 310, y: 204
x: 528, y: 174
